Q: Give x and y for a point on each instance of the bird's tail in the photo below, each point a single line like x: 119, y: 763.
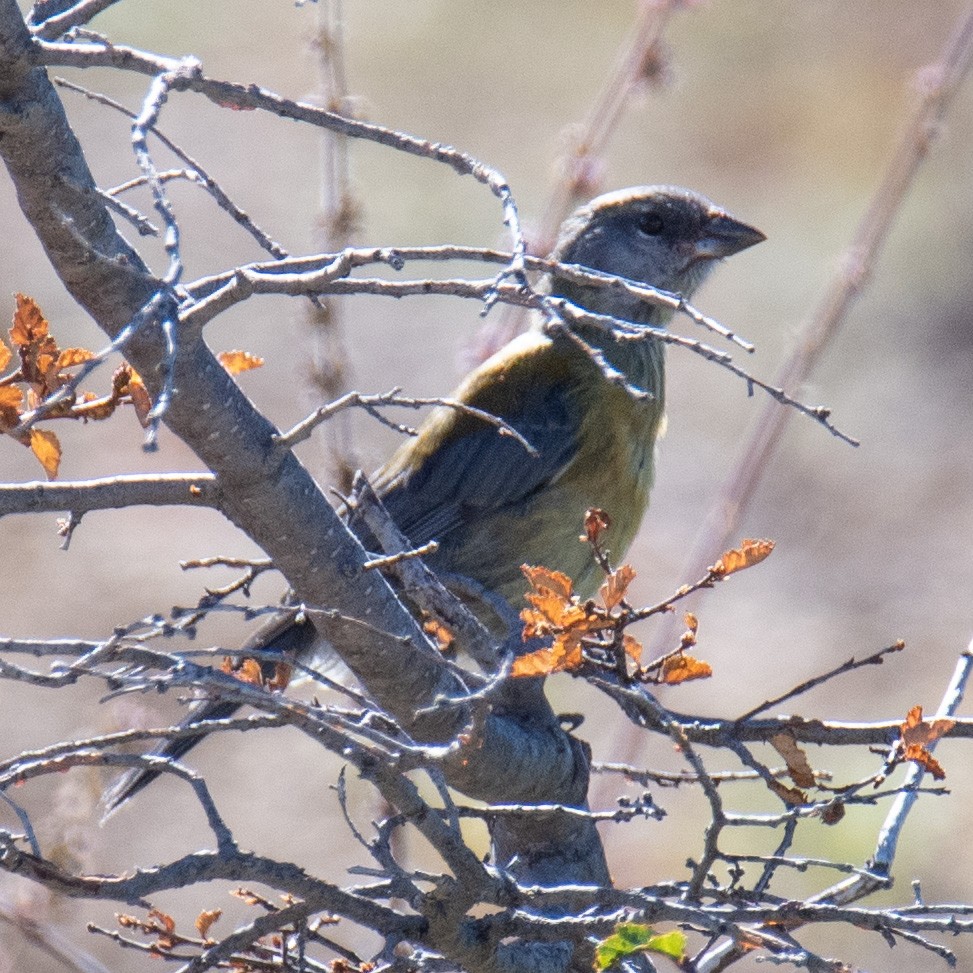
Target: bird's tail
x: 282, y: 636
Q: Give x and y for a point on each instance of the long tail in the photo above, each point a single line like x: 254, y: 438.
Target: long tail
x: 280, y: 635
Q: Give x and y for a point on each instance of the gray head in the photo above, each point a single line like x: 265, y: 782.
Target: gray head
x: 664, y: 236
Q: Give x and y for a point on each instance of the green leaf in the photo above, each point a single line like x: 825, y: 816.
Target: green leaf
x: 634, y: 937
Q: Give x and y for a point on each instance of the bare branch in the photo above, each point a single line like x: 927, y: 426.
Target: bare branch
x: 111, y: 493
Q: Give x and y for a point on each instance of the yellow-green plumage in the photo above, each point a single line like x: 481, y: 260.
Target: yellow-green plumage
x: 596, y: 452
x: 493, y: 507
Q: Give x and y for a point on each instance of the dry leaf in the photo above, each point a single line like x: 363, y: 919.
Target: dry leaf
x: 681, y: 668
x: 206, y: 919
x: 5, y: 356
x: 616, y: 585
x: 443, y: 636
x: 797, y: 765
x: 633, y: 648
x: 246, y: 670
x: 749, y: 553
x: 47, y: 449
x: 917, y: 735
x: 596, y: 522
x: 73, y: 356
x: 918, y: 754
x: 238, y: 361
x: 29, y: 325
x: 791, y: 796
x: 564, y: 654
x: 11, y: 402
x: 915, y: 730
x: 833, y: 813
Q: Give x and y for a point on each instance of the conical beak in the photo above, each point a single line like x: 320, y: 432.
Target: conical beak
x: 725, y: 236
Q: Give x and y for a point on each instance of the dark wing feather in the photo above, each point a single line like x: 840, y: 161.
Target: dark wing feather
x: 461, y: 466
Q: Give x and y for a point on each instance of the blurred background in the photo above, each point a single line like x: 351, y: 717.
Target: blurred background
x: 786, y: 113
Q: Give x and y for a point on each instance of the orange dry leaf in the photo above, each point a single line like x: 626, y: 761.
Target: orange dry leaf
x: 921, y: 756
x: 281, y: 677
x: 73, y: 356
x: 139, y: 394
x: 5, y: 356
x: 206, y: 919
x: 47, y: 449
x: 917, y: 735
x: 797, y: 764
x: 167, y: 931
x: 563, y: 655
x: 681, y: 668
x: 246, y: 670
x: 443, y: 636
x: 11, y: 402
x: 38, y: 351
x: 238, y: 361
x: 29, y: 325
x: 633, y: 648
x: 915, y: 730
x: 749, y: 553
x: 555, y: 605
x: 616, y: 585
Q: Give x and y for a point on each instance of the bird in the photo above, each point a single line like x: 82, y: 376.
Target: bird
x: 490, y: 504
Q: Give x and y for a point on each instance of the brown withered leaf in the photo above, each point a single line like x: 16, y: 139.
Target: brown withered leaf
x: 544, y: 579
x: 139, y: 395
x: 11, y: 402
x: 916, y: 730
x: 237, y: 361
x: 596, y: 522
x: 246, y: 670
x: 29, y: 325
x: 554, y: 604
x: 167, y: 929
x: 749, y: 553
x: 70, y: 357
x: 797, y: 765
x: 918, y: 734
x: 94, y: 408
x: 918, y: 754
x: 633, y: 648
x: 833, y: 813
x: 47, y: 448
x: 681, y: 668
x: 5, y: 356
x: 615, y: 586
x: 563, y: 655
x: 791, y: 796
x: 205, y: 919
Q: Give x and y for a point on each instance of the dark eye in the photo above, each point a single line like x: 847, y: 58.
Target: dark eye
x: 650, y: 224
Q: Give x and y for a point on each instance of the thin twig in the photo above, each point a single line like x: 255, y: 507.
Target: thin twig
x: 371, y: 404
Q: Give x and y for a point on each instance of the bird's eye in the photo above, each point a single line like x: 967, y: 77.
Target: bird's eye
x: 650, y: 224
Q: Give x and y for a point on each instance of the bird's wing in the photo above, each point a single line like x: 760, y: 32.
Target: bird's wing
x: 459, y: 465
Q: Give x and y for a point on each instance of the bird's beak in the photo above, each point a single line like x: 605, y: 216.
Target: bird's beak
x: 725, y: 236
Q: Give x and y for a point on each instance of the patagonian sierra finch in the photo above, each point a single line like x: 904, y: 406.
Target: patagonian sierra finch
x: 490, y: 504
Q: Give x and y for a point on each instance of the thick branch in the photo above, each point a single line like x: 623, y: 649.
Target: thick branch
x: 264, y: 489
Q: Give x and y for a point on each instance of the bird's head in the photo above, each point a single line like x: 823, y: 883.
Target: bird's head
x: 663, y: 236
